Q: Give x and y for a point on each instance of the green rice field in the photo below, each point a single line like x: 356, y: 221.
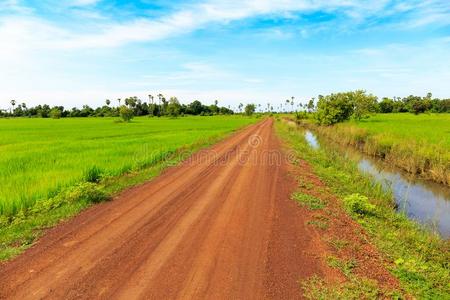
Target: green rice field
x: 418, y: 144
x: 39, y: 157
x: 429, y: 128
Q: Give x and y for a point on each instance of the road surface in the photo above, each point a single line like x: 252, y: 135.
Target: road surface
x: 219, y: 226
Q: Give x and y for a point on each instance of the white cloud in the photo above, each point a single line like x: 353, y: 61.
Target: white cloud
x: 83, y: 2
x: 188, y: 18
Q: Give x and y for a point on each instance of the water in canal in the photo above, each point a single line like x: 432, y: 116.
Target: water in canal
x: 425, y: 201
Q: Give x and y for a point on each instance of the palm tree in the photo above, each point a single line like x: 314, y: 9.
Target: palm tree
x: 108, y: 102
x: 240, y: 107
x: 13, y: 103
x: 287, y: 103
x: 160, y: 96
x: 118, y: 99
x: 150, y: 97
x: 292, y: 102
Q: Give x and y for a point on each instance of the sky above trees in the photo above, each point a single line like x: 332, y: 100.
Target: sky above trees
x: 84, y: 51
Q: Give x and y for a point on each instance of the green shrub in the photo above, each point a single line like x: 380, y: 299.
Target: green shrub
x: 126, y: 113
x: 340, y: 107
x: 85, y: 191
x: 93, y: 174
x: 55, y: 113
x: 359, y: 204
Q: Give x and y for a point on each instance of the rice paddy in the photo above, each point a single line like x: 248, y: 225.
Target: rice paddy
x: 418, y: 144
x: 39, y: 157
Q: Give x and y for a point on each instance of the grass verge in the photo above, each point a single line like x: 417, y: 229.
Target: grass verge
x: 419, y: 259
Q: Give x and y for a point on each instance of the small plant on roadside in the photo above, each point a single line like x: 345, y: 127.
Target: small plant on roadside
x: 346, y: 266
x: 85, y: 192
x: 319, y: 224
x: 93, y: 174
x: 309, y: 201
x: 356, y: 288
x: 306, y: 185
x: 359, y: 204
x: 338, y: 244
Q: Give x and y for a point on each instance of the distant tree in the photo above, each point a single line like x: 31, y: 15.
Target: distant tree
x: 287, y: 104
x: 163, y: 105
x: 195, y: 108
x: 310, y: 105
x: 440, y: 106
x: 240, y: 107
x: 13, y: 103
x: 333, y: 108
x: 419, y: 106
x: 126, y: 113
x: 119, y: 100
x: 55, y: 113
x: 386, y: 105
x: 43, y: 111
x: 160, y: 98
x: 363, y: 104
x: 86, y: 111
x: 108, y: 102
x: 174, y: 107
x: 131, y: 101
x: 292, y: 103
x: 250, y: 109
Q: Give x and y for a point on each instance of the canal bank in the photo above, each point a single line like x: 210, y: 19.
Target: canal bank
x: 423, y: 201
x: 417, y: 257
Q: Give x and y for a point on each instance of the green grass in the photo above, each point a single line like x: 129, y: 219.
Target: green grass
x: 309, y: 201
x: 41, y: 157
x: 345, y: 266
x: 418, y: 258
x: 418, y: 144
x: 321, y: 224
x: 354, y: 289
x: 429, y: 128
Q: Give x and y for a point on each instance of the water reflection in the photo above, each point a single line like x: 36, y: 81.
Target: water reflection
x: 424, y: 201
x: 312, y: 140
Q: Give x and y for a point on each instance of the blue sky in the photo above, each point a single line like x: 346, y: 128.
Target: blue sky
x: 85, y: 51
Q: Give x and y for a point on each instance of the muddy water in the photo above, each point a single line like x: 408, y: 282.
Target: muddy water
x: 424, y: 201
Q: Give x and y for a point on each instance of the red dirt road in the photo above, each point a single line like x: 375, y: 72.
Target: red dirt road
x: 221, y: 227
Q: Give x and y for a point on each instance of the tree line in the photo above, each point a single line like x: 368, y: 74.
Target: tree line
x: 329, y: 109
x: 131, y: 106
x: 339, y: 107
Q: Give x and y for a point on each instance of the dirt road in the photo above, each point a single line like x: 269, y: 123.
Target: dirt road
x: 221, y: 225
